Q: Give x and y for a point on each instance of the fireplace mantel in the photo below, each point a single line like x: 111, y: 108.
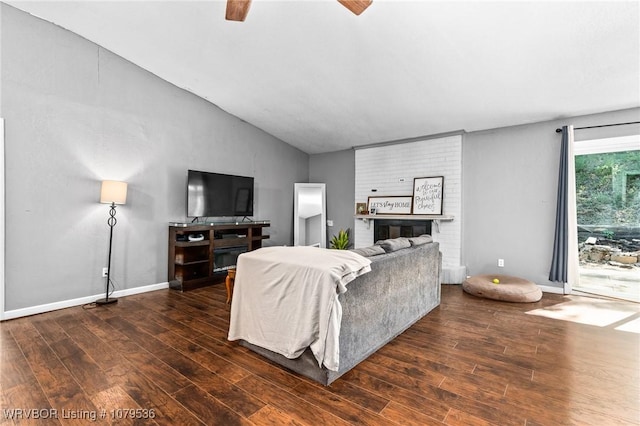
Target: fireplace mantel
x: 435, y: 218
x: 442, y: 217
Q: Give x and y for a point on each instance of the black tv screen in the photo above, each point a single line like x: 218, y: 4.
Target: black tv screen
x: 215, y: 194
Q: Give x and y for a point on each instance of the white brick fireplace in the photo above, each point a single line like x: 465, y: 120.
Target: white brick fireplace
x: 389, y: 169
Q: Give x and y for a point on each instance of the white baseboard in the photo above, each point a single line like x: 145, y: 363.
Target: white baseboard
x: 550, y: 289
x: 33, y: 310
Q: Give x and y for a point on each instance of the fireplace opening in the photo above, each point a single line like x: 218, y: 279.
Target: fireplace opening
x: 226, y: 258
x: 393, y: 228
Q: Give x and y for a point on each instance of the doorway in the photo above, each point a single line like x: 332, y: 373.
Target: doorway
x: 2, y: 243
x: 607, y: 173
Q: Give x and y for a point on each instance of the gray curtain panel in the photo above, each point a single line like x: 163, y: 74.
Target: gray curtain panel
x: 560, y: 260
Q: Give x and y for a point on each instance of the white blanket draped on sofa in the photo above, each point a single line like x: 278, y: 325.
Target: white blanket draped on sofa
x: 285, y: 299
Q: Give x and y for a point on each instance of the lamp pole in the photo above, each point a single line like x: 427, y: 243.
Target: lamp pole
x: 112, y: 192
x: 111, y: 222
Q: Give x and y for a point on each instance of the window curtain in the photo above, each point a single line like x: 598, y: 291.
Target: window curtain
x: 565, y: 245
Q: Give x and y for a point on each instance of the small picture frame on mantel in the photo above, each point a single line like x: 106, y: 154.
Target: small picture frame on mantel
x: 361, y: 208
x: 428, y: 195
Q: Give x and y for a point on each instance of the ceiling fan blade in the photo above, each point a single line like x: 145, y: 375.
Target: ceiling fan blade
x: 356, y: 6
x: 237, y: 10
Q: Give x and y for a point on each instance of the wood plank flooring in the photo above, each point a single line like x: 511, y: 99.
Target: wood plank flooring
x: 165, y: 354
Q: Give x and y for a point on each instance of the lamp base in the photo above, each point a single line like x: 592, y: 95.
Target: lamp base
x: 106, y: 301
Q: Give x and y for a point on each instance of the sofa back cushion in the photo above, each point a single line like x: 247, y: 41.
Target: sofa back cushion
x: 422, y: 239
x: 369, y: 251
x: 394, y: 244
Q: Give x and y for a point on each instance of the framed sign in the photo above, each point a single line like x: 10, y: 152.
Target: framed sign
x: 400, y: 204
x: 427, y: 195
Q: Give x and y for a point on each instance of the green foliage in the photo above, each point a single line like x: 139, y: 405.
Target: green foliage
x: 342, y: 241
x: 608, y: 233
x: 608, y: 188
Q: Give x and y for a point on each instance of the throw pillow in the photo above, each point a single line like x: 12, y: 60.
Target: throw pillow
x: 422, y: 239
x: 369, y: 251
x: 394, y: 244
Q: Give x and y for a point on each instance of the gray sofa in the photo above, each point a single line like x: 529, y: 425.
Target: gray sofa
x: 401, y: 288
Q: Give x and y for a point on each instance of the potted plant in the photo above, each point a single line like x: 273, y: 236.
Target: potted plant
x: 342, y: 241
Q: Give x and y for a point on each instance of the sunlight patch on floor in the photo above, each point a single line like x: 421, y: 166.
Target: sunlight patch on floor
x: 632, y: 326
x: 622, y: 316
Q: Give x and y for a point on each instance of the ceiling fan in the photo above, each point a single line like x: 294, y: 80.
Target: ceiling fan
x: 237, y: 10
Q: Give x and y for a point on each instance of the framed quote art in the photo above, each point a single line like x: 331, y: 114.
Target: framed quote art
x: 390, y: 205
x: 427, y: 195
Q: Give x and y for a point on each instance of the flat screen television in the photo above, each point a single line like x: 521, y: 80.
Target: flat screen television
x: 215, y: 194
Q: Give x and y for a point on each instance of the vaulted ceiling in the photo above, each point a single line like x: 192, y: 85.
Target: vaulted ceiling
x: 320, y: 78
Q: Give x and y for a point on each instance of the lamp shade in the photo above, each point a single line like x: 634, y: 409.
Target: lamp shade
x: 113, y: 192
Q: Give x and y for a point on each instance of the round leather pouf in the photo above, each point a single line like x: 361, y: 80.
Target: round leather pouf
x: 509, y: 289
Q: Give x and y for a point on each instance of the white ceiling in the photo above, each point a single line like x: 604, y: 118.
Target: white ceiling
x: 323, y: 79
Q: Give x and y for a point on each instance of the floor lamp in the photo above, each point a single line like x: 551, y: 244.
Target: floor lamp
x: 112, y: 192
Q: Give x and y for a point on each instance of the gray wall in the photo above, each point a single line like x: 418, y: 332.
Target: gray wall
x: 77, y: 114
x: 338, y: 171
x: 1, y: 32
x: 510, y: 178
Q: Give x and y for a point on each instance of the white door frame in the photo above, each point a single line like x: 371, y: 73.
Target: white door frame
x: 572, y: 231
x: 2, y: 240
x: 584, y: 147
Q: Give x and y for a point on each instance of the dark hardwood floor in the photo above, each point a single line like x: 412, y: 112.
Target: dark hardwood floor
x: 469, y: 362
